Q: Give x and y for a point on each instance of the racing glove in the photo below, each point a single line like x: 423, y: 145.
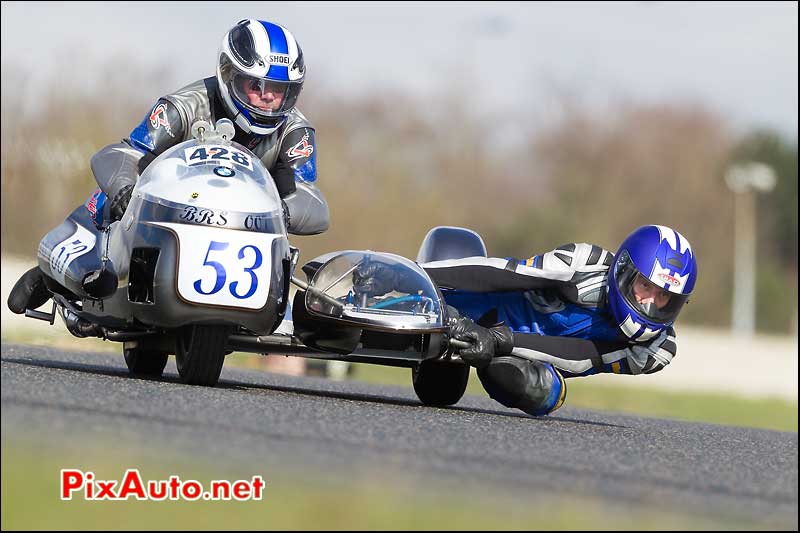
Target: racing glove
x: 375, y: 279
x: 486, y: 343
x: 120, y: 202
x: 287, y: 219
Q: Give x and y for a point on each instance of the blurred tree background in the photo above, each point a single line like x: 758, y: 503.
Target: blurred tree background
x: 392, y: 167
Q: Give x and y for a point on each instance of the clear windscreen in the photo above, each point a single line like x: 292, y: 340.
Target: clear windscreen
x: 376, y: 289
x: 221, y: 176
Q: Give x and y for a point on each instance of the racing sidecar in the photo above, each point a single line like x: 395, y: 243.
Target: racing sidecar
x: 200, y: 265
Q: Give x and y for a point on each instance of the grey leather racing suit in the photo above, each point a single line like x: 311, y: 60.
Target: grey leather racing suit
x: 289, y: 153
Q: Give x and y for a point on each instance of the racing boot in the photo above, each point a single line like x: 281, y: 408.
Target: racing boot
x: 534, y: 387
x: 29, y: 292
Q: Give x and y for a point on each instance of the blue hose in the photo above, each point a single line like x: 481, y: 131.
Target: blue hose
x: 399, y: 299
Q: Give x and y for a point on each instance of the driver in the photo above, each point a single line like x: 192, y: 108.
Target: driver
x: 260, y: 73
x: 575, y: 311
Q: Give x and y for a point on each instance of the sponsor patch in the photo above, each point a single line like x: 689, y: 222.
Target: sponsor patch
x: 278, y: 59
x: 204, y: 216
x: 159, y: 118
x: 666, y: 278
x: 224, y: 172
x: 301, y: 149
x: 94, y: 205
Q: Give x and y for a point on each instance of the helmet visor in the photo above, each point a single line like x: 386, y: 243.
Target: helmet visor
x: 648, y: 299
x: 264, y: 98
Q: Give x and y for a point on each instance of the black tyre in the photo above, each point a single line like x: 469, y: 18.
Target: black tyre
x: 146, y: 363
x: 439, y: 384
x: 200, y: 353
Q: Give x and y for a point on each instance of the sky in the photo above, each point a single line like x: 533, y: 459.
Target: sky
x: 738, y: 58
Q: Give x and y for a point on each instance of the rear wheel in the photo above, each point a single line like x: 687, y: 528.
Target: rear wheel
x: 200, y: 353
x: 440, y: 384
x: 147, y: 363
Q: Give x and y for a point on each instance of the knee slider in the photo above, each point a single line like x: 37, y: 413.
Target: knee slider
x: 558, y: 391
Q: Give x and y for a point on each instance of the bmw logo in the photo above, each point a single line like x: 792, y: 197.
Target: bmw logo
x: 224, y: 172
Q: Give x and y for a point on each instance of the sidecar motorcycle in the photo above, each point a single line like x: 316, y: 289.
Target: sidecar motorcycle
x: 200, y: 265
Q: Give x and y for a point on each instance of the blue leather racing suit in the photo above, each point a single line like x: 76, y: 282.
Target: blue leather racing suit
x: 555, y: 304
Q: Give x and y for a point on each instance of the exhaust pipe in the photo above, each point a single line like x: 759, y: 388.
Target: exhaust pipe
x: 78, y: 326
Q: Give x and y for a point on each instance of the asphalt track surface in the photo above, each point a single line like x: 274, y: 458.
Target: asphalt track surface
x: 321, y: 427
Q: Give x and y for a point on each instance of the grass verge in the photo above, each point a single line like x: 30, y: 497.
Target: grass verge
x: 31, y: 500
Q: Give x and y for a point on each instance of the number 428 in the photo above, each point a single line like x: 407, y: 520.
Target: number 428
x: 220, y: 153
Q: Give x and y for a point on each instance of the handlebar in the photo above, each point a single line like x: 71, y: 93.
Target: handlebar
x: 455, y: 343
x: 333, y: 302
x: 459, y: 345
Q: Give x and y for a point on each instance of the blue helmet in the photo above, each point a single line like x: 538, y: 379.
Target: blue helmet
x: 651, y: 255
x: 260, y: 73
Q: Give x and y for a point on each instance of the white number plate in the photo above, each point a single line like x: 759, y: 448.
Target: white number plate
x: 220, y: 155
x: 223, y: 267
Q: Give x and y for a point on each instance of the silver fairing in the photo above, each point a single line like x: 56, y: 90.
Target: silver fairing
x: 202, y: 241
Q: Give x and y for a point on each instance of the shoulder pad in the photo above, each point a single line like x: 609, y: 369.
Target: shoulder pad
x: 194, y: 100
x: 160, y: 129
x: 298, y: 152
x: 296, y: 119
x: 578, y: 257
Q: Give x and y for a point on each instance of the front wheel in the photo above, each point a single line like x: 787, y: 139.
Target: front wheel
x: 146, y: 363
x: 439, y: 384
x: 200, y: 353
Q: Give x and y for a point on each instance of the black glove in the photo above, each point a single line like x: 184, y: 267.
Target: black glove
x: 286, y: 218
x: 120, y: 202
x: 485, y: 342
x: 374, y: 278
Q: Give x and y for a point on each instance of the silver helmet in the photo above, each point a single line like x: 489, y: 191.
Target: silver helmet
x: 260, y: 74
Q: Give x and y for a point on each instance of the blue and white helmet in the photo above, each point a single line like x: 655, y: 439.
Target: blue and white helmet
x: 263, y: 58
x: 665, y: 258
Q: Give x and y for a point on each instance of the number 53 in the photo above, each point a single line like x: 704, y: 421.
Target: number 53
x: 222, y: 276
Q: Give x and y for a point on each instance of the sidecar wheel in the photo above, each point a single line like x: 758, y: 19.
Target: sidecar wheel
x: 147, y: 363
x: 200, y: 353
x: 439, y: 384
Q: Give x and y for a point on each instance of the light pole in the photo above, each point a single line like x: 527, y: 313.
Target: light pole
x: 745, y: 180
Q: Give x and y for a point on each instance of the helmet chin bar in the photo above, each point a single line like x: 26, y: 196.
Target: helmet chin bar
x: 241, y: 120
x: 245, y: 124
x: 648, y: 308
x: 631, y: 328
